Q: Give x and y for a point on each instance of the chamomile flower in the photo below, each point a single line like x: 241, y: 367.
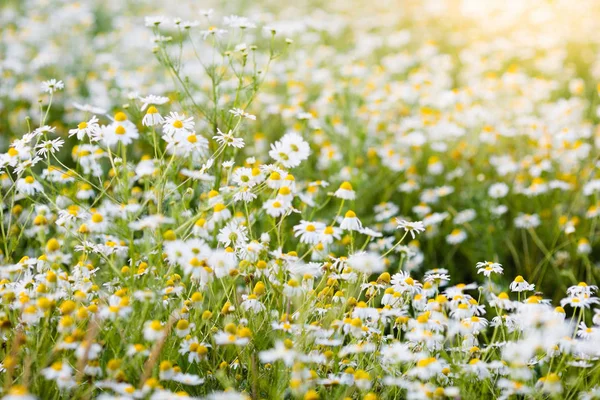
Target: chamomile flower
x: 521, y: 285
x: 309, y: 232
x: 153, y: 330
x: 414, y: 228
x: 457, y: 236
x: 345, y: 192
x: 350, y: 222
x: 487, y: 268
x: 228, y: 139
x: 89, y: 129
x: 120, y: 131
x: 275, y: 208
x: 175, y: 123
x: 152, y: 117
x: 151, y: 100
x: 29, y: 186
x: 52, y: 85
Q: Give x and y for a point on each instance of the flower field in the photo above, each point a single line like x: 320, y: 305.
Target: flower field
x: 299, y: 200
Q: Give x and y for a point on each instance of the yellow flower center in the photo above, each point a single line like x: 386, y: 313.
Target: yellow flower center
x: 346, y: 186
x: 120, y: 116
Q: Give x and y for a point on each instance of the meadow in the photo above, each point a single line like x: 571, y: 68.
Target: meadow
x: 299, y: 200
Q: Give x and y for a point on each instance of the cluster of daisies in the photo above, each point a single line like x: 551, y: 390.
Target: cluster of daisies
x: 274, y: 207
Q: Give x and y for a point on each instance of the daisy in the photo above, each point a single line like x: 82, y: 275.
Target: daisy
x: 582, y: 289
x: 238, y: 112
x: 292, y: 288
x: 153, y: 330
x: 97, y: 223
x: 284, y: 351
x: 345, y: 192
x: 309, y: 232
x: 225, y: 338
x: 89, y: 128
x: 583, y: 246
x: 457, y: 236
x: 413, y: 228
x: 251, y: 303
x: 220, y: 213
x: 153, y: 100
x: 403, y: 283
x: 29, y: 186
x: 222, y: 262
x: 329, y: 234
x: 579, y: 301
x: 120, y: 131
x: 233, y: 234
x: 175, y: 123
x: 521, y: 285
x: 188, y: 379
x: 49, y: 146
x: 290, y: 151
x: 487, y: 268
x: 498, y: 190
x: 228, y: 139
x: 183, y: 328
x: 366, y: 263
x: 351, y: 222
x: 244, y: 177
x: 152, y: 117
x: 526, y: 221
x: 275, y: 208
x: 52, y: 85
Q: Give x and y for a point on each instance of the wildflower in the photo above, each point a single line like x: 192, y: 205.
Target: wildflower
x: 345, y: 192
x: 120, y: 131
x: 284, y: 351
x: 521, y: 285
x: 251, y: 303
x: 290, y: 151
x: 583, y: 246
x: 292, y: 288
x: 52, y: 85
x: 351, y: 222
x: 457, y: 236
x: 498, y: 190
x: 152, y: 117
x: 275, y: 208
x: 175, y: 123
x: 153, y: 330
x: 413, y: 228
x: 309, y: 232
x: 238, y: 112
x: 89, y: 128
x: 550, y: 384
x: 584, y: 301
x: 526, y: 221
x: 188, y: 379
x: 29, y: 186
x: 152, y: 100
x: 228, y: 139
x: 366, y: 263
x: 487, y: 268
